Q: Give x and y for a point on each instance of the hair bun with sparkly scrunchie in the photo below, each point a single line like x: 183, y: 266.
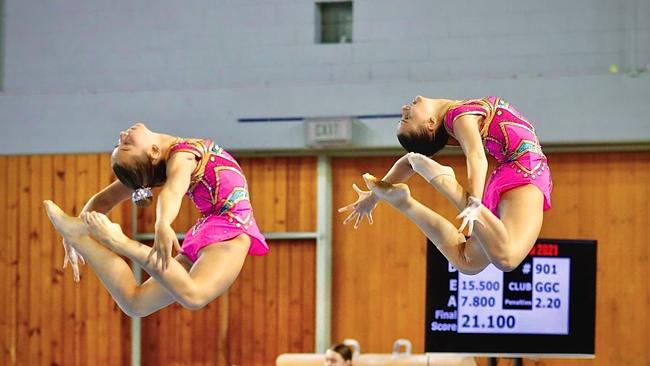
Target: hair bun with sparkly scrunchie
x: 142, y: 197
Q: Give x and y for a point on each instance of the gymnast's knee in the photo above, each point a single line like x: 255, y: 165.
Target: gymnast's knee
x: 193, y: 304
x: 506, y: 263
x: 133, y: 305
x: 133, y: 313
x: 466, y: 261
x: 193, y: 299
x: 133, y: 310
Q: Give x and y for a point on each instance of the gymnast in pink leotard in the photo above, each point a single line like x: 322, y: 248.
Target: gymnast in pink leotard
x: 508, y: 209
x: 214, y: 249
x: 219, y: 191
x: 511, y: 140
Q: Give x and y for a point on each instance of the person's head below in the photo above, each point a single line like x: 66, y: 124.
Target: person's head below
x: 138, y: 162
x: 421, y: 129
x: 338, y: 355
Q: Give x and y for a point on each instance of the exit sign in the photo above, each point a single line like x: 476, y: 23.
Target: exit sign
x: 334, y: 131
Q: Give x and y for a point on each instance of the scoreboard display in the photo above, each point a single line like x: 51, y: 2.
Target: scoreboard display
x: 545, y: 306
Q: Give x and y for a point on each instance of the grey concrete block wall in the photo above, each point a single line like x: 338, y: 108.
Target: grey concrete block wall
x: 215, y: 55
x: 122, y: 45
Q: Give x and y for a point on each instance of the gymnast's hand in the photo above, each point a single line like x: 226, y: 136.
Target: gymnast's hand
x: 470, y: 214
x: 363, y: 206
x: 164, y: 240
x: 74, y: 258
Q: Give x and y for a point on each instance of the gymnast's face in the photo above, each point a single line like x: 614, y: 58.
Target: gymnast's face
x: 132, y: 144
x: 334, y: 359
x: 416, y: 115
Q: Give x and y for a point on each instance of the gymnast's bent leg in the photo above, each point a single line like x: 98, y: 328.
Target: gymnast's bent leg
x: 211, y: 275
x: 466, y: 255
x: 507, y: 240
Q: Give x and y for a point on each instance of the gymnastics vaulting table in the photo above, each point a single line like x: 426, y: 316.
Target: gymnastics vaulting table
x: 396, y: 358
x: 378, y: 359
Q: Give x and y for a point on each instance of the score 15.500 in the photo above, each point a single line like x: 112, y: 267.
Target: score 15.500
x: 480, y: 286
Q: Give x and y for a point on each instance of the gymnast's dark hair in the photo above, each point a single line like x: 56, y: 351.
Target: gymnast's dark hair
x: 141, y: 175
x: 343, y: 350
x: 424, y: 142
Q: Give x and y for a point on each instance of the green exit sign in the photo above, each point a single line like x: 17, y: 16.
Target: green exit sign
x: 332, y: 131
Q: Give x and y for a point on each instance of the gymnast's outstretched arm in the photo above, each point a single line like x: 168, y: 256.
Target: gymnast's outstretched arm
x: 109, y: 197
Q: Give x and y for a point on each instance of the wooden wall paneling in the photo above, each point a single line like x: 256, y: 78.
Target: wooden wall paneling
x: 259, y: 314
x: 23, y: 263
x: 235, y: 336
x: 308, y: 300
x: 5, y: 261
x: 13, y: 198
x: 295, y: 296
x: 281, y: 253
x: 45, y: 244
x: 9, y: 192
x: 270, y: 280
x: 60, y: 274
x: 34, y: 244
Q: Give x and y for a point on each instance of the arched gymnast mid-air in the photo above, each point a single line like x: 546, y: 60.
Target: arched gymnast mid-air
x: 509, y: 208
x: 214, y: 249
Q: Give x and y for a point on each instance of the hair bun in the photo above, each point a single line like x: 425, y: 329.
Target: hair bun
x: 142, y: 196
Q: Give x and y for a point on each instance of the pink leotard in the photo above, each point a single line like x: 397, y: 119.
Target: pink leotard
x: 511, y: 140
x: 220, y: 192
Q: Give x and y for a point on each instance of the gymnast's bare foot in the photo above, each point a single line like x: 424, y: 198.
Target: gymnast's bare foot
x: 102, y: 229
x: 433, y: 172
x: 395, y: 194
x: 72, y: 229
x: 69, y: 227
